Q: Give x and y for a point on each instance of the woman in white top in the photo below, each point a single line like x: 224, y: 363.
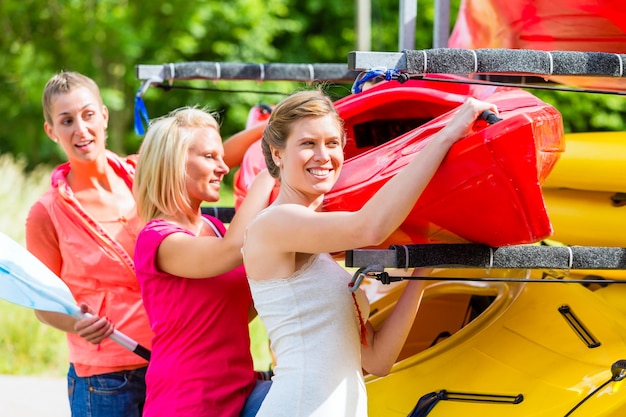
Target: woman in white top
x: 318, y: 330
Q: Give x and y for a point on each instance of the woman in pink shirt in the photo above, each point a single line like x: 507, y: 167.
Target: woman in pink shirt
x: 193, y: 284
x: 84, y: 229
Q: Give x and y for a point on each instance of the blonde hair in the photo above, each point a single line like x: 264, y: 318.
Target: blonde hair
x: 310, y: 103
x: 161, y: 169
x: 63, y: 83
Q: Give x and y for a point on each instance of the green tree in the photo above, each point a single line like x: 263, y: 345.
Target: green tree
x: 105, y: 39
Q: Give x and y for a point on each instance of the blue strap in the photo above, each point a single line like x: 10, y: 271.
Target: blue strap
x: 141, y: 115
x: 374, y: 73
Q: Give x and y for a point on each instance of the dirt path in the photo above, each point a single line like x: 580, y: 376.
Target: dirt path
x: 33, y: 396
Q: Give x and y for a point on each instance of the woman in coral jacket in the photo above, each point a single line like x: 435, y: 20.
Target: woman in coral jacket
x: 84, y: 229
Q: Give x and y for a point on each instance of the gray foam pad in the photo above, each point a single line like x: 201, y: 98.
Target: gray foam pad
x: 246, y: 71
x: 516, y: 61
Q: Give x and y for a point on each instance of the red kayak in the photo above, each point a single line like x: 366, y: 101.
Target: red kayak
x: 488, y: 188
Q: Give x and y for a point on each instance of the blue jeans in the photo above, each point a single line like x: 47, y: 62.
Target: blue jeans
x: 114, y: 394
x: 253, y: 403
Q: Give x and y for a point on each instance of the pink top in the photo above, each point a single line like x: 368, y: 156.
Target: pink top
x: 201, y: 363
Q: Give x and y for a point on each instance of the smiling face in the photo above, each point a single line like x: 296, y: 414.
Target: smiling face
x: 312, y: 159
x: 78, y: 124
x: 205, y: 166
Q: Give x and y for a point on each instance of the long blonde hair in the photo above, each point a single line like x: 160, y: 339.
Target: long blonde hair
x: 159, y: 187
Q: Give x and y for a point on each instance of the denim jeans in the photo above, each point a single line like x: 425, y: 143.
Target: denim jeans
x: 119, y: 394
x: 253, y: 403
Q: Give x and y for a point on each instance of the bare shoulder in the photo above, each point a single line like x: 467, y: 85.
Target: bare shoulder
x: 276, y: 224
x: 276, y: 216
x: 268, y: 243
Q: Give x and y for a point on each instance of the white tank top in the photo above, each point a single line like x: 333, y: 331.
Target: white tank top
x: 314, y: 330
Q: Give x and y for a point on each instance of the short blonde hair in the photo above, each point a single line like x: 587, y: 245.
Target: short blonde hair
x: 161, y: 169
x: 63, y: 83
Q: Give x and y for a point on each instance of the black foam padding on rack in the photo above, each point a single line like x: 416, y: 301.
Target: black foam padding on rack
x: 520, y: 256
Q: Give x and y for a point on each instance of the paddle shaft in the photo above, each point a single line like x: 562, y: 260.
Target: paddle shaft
x: 125, y: 341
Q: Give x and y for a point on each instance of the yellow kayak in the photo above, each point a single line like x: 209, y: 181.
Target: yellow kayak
x: 585, y: 194
x: 592, y: 161
x: 586, y: 218
x: 538, y: 349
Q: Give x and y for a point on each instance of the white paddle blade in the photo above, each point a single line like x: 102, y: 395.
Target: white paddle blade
x: 26, y: 281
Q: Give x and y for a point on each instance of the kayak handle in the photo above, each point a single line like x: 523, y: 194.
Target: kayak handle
x: 489, y: 117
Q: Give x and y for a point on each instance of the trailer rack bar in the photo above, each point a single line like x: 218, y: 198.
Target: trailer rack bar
x: 471, y: 255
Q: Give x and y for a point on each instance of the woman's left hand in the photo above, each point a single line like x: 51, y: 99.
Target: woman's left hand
x: 92, y: 328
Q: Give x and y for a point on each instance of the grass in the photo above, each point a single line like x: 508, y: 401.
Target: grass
x: 28, y: 347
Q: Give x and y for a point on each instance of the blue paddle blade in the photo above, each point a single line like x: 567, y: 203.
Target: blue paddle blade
x: 26, y: 281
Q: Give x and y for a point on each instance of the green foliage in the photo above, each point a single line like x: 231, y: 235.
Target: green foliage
x: 587, y: 112
x: 17, y: 193
x: 107, y: 39
x: 259, y: 346
x: 26, y: 345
